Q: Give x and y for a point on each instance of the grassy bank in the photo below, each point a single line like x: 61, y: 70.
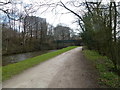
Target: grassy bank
x: 13, y: 69
x: 107, y: 78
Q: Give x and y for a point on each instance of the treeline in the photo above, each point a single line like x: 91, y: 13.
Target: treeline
x: 101, y: 29
x: 31, y: 34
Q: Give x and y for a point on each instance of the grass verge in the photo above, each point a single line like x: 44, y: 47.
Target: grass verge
x: 107, y: 78
x: 13, y: 69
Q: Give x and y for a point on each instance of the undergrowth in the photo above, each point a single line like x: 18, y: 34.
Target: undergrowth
x: 107, y: 78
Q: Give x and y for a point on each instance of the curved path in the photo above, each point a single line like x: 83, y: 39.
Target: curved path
x: 67, y: 70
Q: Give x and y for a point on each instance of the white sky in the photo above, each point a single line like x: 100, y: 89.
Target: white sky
x: 53, y: 18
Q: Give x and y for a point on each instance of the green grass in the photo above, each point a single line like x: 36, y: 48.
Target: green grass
x: 13, y: 69
x: 107, y: 78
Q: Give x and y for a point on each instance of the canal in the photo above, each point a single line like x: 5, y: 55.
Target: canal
x: 9, y: 59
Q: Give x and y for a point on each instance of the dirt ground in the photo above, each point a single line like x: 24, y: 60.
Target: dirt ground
x: 68, y: 70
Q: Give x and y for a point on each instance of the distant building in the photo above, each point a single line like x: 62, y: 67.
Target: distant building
x: 35, y: 25
x: 61, y: 33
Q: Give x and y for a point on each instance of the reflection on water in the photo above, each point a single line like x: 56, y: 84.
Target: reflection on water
x: 19, y: 57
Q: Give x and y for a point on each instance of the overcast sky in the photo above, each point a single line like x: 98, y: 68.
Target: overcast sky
x: 55, y: 17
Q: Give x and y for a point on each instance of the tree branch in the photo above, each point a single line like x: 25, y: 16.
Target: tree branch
x: 71, y: 11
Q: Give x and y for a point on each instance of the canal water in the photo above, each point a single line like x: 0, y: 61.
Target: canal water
x: 9, y: 59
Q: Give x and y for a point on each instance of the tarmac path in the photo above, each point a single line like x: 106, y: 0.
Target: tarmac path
x: 67, y: 70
